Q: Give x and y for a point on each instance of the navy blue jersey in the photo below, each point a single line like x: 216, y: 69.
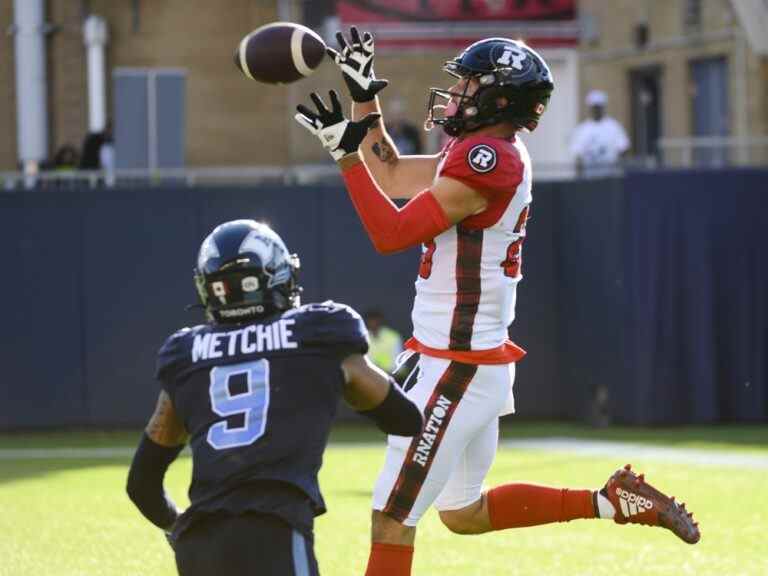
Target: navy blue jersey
x: 258, y: 400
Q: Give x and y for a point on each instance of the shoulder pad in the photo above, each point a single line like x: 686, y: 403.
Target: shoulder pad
x: 484, y: 164
x: 332, y: 325
x: 173, y: 353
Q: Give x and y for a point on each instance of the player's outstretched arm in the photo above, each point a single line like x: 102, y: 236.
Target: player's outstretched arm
x: 398, y: 176
x: 373, y: 393
x: 391, y: 229
x: 428, y: 214
x: 161, y: 443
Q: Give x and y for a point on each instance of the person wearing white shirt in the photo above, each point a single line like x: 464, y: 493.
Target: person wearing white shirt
x: 599, y: 142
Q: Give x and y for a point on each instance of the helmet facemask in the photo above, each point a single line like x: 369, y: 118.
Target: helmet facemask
x: 466, y: 105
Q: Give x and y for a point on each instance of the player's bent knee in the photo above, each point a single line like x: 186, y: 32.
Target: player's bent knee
x: 466, y: 521
x: 459, y: 524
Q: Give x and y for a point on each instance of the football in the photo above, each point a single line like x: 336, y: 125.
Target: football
x: 279, y: 53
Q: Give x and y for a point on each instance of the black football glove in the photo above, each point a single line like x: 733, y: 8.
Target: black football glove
x: 337, y: 134
x: 356, y: 62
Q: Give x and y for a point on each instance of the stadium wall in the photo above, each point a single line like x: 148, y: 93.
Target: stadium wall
x: 645, y: 299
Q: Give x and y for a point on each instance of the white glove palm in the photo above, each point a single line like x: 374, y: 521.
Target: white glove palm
x: 337, y: 134
x: 356, y: 62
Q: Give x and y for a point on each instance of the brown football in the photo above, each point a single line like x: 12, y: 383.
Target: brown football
x: 279, y: 53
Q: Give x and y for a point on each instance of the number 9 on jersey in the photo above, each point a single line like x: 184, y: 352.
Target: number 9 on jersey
x: 251, y: 404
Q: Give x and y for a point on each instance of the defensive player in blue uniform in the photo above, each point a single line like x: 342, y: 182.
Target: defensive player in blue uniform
x: 254, y: 391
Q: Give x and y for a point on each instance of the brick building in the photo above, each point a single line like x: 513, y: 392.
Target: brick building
x: 634, y: 50
x: 229, y: 120
x: 681, y: 72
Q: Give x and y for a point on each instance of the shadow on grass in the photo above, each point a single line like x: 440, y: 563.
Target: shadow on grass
x: 513, y: 427
x: 35, y: 464
x: 362, y: 431
x: 13, y: 470
x: 70, y: 438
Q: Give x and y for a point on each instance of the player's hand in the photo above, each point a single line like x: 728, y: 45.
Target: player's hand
x: 337, y: 134
x: 356, y: 62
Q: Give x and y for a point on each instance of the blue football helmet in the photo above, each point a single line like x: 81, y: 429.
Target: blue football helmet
x: 244, y: 271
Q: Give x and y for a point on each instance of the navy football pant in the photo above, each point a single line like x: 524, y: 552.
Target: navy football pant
x: 245, y: 545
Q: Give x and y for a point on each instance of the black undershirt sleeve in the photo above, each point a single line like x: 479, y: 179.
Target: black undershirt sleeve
x: 145, y: 482
x: 396, y: 415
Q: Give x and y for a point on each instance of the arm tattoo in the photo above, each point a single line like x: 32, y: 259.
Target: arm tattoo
x: 384, y: 151
x: 164, y: 427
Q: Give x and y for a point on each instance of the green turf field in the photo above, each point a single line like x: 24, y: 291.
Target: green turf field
x: 63, y: 513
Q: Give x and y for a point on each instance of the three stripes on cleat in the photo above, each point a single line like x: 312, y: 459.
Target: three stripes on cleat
x: 632, y: 504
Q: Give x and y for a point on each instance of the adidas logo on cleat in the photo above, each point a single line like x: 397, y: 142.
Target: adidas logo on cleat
x: 637, y: 502
x: 632, y: 504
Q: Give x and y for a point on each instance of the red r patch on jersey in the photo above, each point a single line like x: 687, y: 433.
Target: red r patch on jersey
x: 482, y: 158
x: 492, y: 166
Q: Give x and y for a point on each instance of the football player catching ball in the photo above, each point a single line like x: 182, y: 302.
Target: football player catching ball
x: 467, y: 207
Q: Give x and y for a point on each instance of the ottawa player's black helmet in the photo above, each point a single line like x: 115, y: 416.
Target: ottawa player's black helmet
x: 514, y: 86
x: 244, y: 271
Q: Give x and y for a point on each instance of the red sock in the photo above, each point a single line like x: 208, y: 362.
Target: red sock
x: 518, y: 505
x: 389, y: 560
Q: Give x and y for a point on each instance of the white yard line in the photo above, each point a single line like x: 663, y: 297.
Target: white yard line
x: 570, y: 446
x: 629, y: 451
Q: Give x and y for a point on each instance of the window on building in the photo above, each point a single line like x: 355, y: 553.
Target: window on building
x: 589, y: 27
x: 641, y: 34
x: 710, y: 120
x: 645, y: 94
x: 691, y: 15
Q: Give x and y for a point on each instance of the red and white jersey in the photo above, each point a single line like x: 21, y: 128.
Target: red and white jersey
x: 467, y: 284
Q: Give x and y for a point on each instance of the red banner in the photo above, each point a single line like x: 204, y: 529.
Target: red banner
x: 413, y: 25
x: 454, y: 10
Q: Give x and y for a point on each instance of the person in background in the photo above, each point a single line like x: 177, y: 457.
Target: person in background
x: 98, y: 150
x: 66, y: 158
x: 405, y: 134
x: 385, y: 344
x: 107, y: 150
x: 89, y: 155
x: 599, y: 142
x: 107, y: 155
